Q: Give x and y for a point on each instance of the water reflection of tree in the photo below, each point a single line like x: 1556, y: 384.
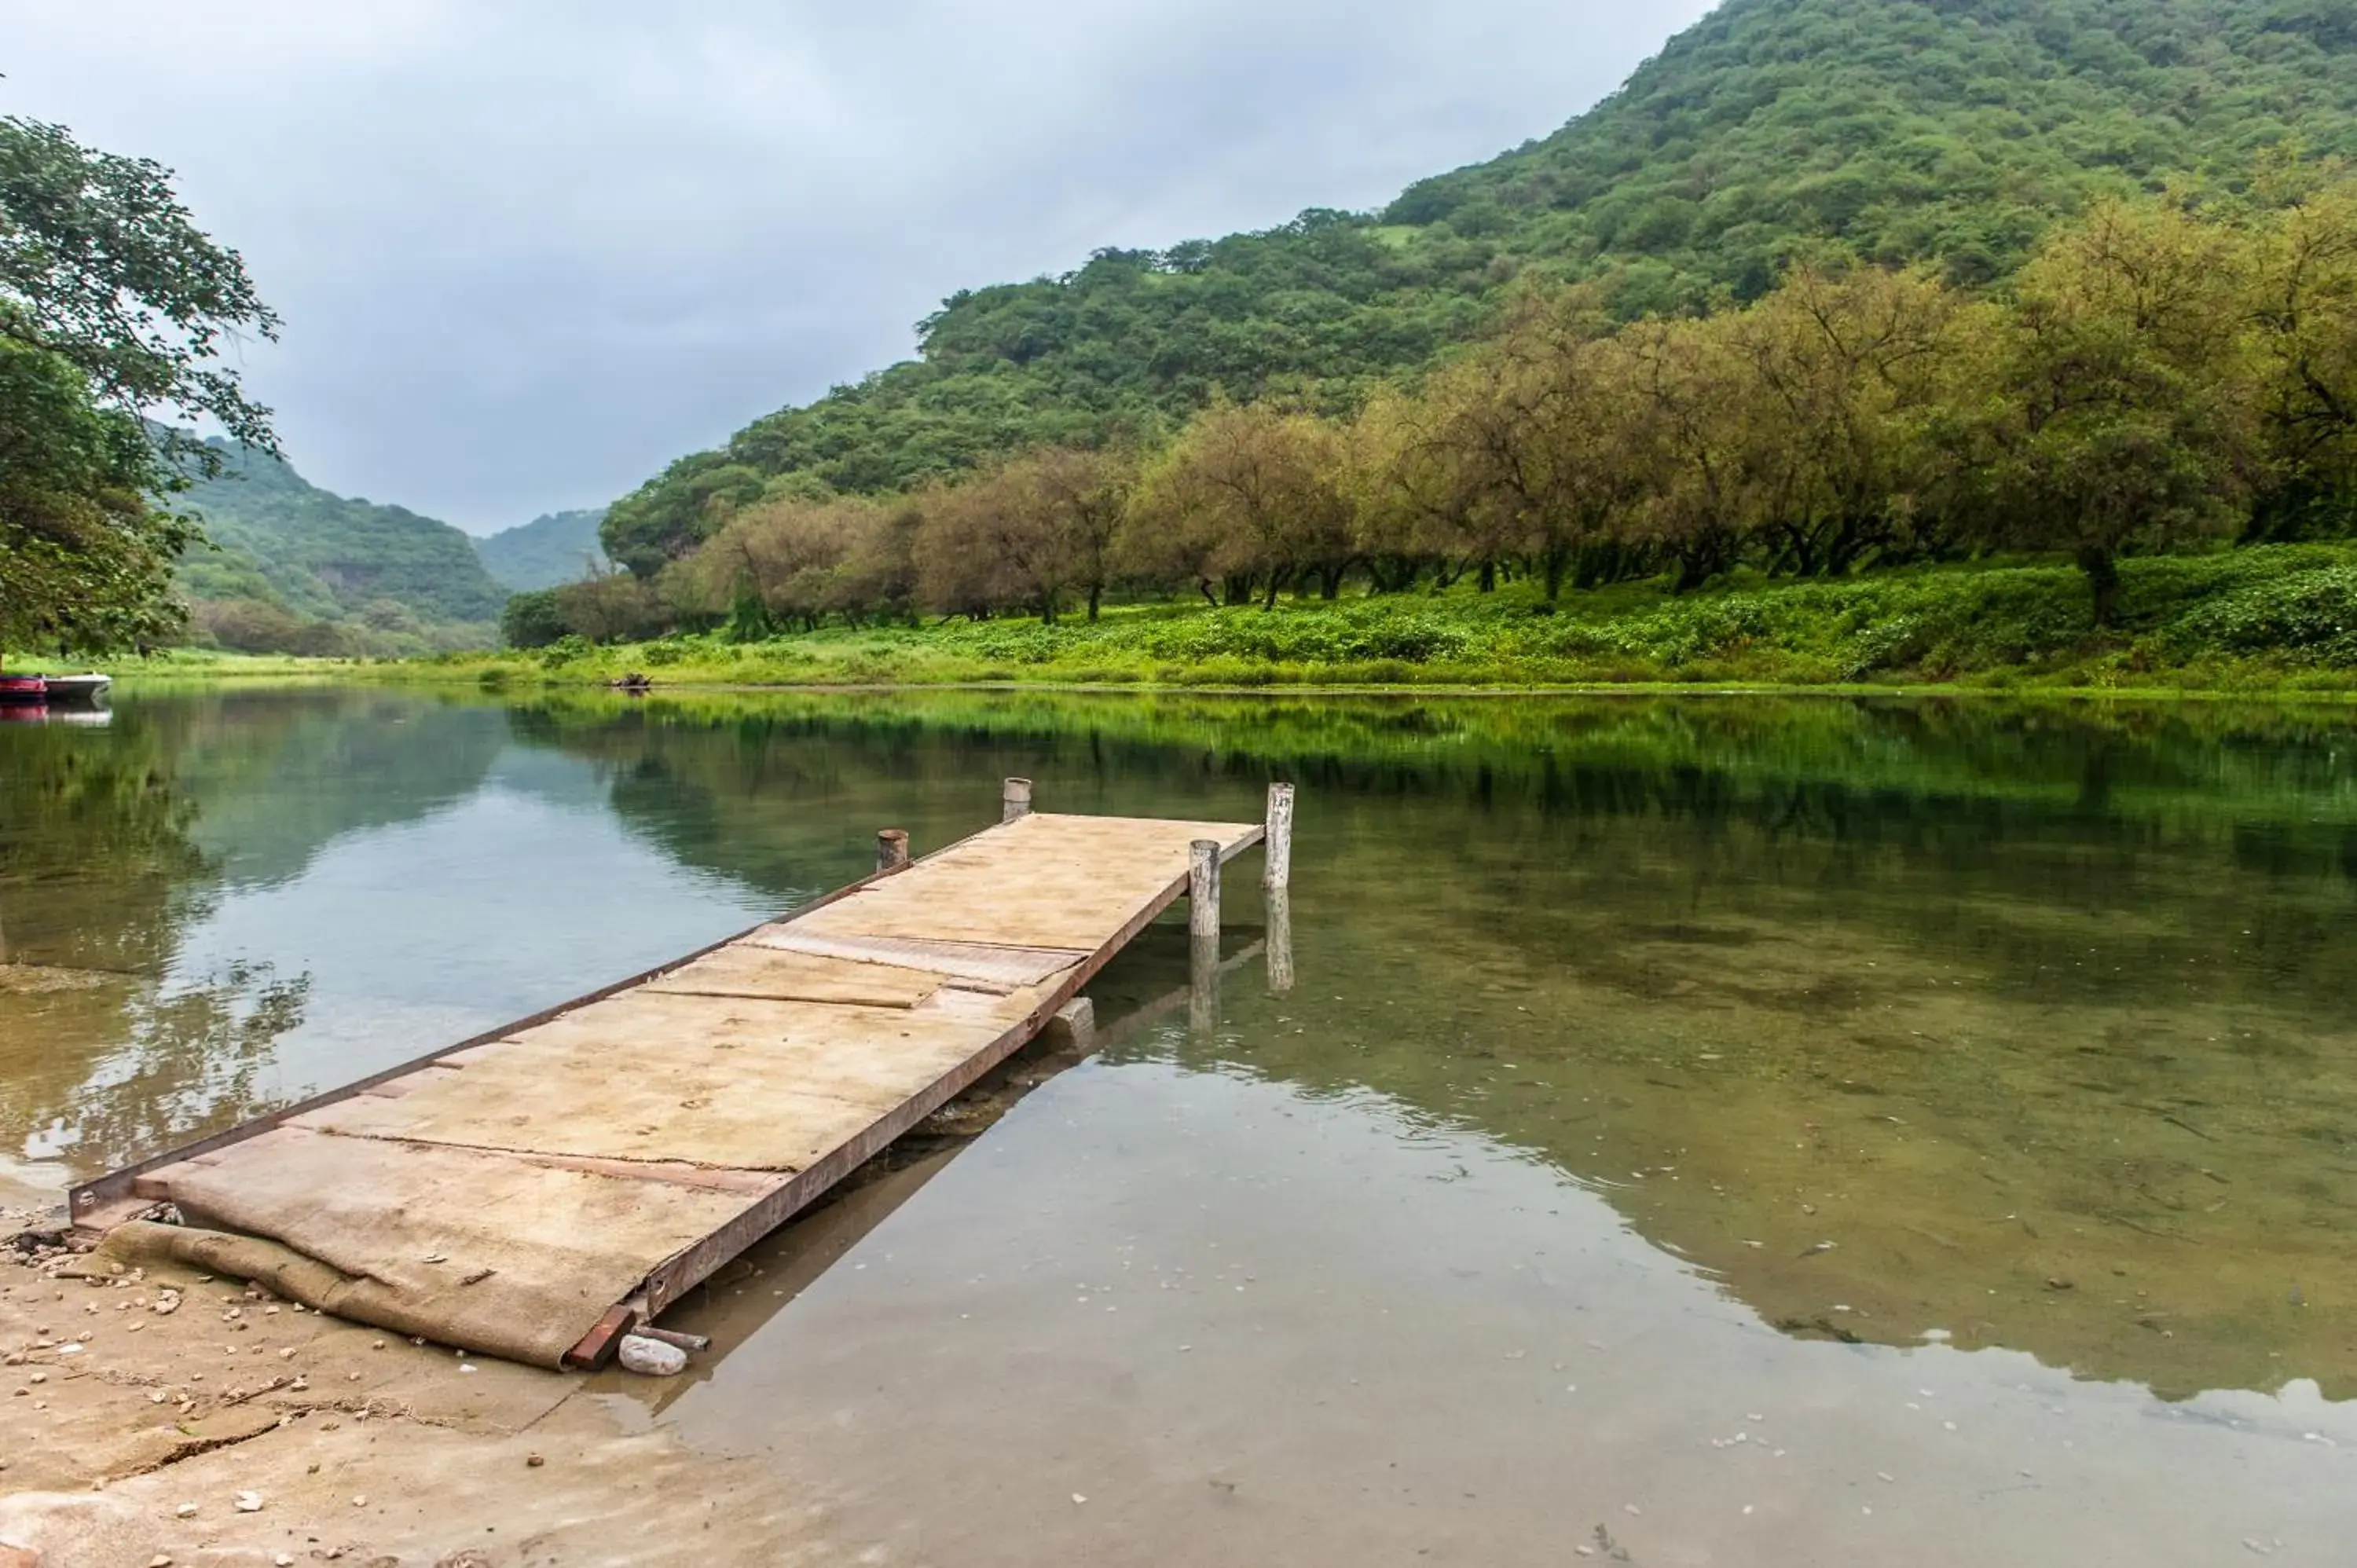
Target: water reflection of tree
x: 191, y: 1060
x: 115, y: 842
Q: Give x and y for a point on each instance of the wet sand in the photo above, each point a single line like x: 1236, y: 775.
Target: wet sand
x: 135, y: 1447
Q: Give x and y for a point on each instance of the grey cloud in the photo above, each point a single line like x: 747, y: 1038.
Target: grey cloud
x: 528, y: 252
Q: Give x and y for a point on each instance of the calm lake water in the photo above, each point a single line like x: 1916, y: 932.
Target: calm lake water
x: 1708, y: 1131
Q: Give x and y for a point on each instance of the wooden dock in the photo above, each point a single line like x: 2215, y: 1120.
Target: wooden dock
x: 545, y: 1188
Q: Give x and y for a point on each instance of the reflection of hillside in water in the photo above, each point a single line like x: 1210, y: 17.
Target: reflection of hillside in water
x: 2037, y: 1016
x: 115, y: 842
x: 274, y: 777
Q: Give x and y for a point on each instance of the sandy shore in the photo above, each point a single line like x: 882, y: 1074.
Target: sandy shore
x: 168, y: 1416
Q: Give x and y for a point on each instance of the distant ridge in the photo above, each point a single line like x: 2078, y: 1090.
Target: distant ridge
x: 556, y: 547
x: 293, y: 568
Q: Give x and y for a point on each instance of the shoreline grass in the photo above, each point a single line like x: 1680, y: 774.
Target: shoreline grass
x: 2275, y: 622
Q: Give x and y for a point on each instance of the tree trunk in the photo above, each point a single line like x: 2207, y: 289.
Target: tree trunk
x: 1489, y: 579
x: 1204, y: 586
x: 1096, y: 592
x: 1329, y: 582
x: 1555, y: 561
x: 2102, y: 574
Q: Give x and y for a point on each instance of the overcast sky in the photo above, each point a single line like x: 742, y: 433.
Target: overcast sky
x: 528, y: 252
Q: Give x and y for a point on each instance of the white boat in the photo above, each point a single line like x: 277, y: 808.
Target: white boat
x: 79, y: 691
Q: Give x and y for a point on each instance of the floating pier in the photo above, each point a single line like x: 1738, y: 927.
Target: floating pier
x: 545, y: 1188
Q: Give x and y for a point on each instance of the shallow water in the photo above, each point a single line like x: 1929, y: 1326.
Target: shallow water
x: 1683, y: 1108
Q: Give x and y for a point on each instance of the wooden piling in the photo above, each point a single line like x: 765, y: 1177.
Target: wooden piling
x: 1202, y: 982
x: 1278, y: 865
x: 1073, y: 1027
x: 1203, y: 888
x: 891, y: 849
x: 1015, y: 801
x: 1280, y: 941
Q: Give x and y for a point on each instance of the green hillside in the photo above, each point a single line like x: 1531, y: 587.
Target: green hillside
x: 558, y: 547
x: 293, y: 568
x: 1948, y: 129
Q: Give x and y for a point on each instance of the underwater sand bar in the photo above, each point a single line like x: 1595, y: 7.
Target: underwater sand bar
x: 539, y: 1190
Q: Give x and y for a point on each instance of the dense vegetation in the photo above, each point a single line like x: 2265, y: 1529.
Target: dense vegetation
x: 111, y: 304
x: 558, y: 547
x: 2157, y: 377
x: 291, y: 568
x: 2269, y: 618
x: 1951, y: 132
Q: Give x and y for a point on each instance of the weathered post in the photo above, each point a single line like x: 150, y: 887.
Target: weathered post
x: 1203, y: 935
x: 1203, y: 888
x: 1279, y: 950
x: 1202, y: 983
x: 1277, y: 867
x: 1015, y: 801
x: 891, y: 849
x: 1074, y: 1027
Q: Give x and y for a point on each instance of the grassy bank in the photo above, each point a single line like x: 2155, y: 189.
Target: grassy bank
x: 2263, y: 618
x: 2268, y: 620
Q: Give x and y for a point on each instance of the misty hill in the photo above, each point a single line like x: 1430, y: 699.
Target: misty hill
x: 558, y: 547
x: 294, y: 568
x: 1947, y: 131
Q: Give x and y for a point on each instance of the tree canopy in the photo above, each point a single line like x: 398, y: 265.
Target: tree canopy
x: 112, y: 305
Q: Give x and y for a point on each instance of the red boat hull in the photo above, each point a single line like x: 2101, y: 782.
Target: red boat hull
x: 23, y: 691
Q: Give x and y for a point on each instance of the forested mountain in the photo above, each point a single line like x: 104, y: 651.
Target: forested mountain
x: 1952, y: 131
x: 556, y: 547
x: 294, y: 568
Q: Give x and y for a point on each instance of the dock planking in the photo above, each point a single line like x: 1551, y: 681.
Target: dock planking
x: 543, y: 1188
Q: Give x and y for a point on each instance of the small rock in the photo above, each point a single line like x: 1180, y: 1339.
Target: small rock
x: 534, y: 1460
x: 651, y: 1356
x: 186, y: 1510
x: 1079, y: 1497
x: 249, y: 1502
x: 360, y: 1499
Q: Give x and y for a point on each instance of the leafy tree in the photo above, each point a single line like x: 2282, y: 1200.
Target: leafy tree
x: 1845, y: 375
x: 988, y: 544
x: 112, y: 305
x: 100, y: 265
x: 85, y: 562
x: 667, y: 518
x: 2303, y: 285
x: 1247, y: 496
x: 532, y: 620
x: 2125, y: 420
x: 1535, y: 431
x: 615, y: 608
